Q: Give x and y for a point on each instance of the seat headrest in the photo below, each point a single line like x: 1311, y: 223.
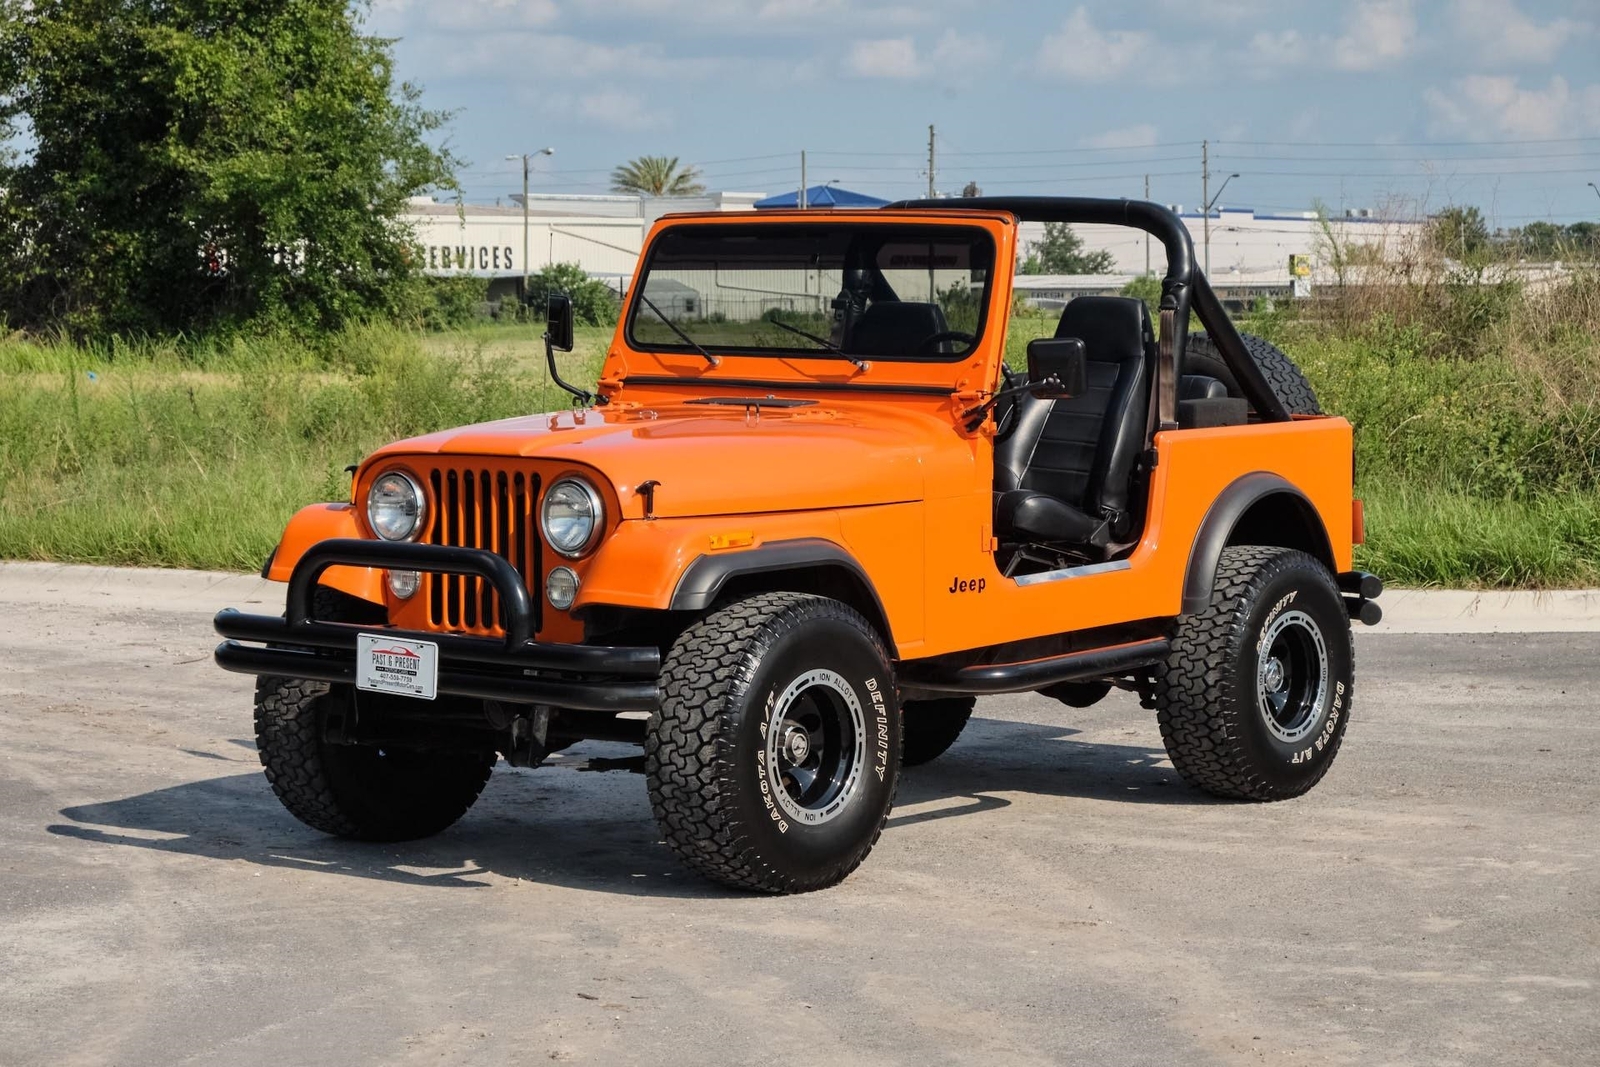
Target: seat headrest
x: 895, y: 328
x: 1113, y: 328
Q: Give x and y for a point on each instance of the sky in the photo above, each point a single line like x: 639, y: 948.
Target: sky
x: 1404, y: 106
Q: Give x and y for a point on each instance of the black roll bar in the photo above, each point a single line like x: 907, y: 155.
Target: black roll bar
x: 1183, y: 287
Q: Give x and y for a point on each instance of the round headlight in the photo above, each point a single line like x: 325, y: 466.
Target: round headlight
x: 571, y: 516
x: 395, y: 507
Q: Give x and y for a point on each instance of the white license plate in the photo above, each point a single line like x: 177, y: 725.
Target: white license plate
x: 406, y: 668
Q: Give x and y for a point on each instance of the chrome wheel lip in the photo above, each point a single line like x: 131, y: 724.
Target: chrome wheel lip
x: 779, y: 727
x: 1291, y: 636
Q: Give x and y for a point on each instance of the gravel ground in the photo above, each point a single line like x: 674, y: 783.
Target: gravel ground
x: 1047, y: 893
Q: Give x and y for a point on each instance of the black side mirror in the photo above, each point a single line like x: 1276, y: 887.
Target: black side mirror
x: 1058, y: 368
x: 558, y: 321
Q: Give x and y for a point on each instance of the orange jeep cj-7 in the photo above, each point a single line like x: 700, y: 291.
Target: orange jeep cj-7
x: 806, y: 519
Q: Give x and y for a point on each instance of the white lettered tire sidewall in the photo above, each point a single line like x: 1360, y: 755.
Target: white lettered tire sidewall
x: 1209, y: 692
x: 709, y: 750
x: 797, y: 846
x: 1296, y: 597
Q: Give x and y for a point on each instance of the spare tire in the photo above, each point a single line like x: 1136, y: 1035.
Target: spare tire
x: 1201, y: 356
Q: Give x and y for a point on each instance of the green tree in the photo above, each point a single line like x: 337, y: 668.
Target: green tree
x: 593, y: 301
x: 1459, y: 232
x: 1062, y: 252
x: 190, y: 164
x: 656, y: 176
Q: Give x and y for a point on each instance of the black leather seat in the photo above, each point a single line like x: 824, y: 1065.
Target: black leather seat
x: 1063, y: 473
x: 895, y: 329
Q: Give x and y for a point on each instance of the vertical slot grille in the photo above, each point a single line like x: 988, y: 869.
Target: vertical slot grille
x: 488, y: 509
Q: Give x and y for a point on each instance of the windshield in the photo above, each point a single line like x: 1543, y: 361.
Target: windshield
x: 829, y: 290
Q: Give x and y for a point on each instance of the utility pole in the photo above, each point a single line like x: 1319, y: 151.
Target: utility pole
x: 801, y: 200
x: 1147, y: 232
x: 527, y: 159
x: 1205, y: 197
x: 932, y: 192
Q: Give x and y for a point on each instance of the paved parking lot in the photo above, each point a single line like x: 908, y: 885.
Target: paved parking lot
x: 1047, y: 893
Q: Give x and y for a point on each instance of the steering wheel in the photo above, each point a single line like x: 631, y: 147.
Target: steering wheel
x: 940, y: 338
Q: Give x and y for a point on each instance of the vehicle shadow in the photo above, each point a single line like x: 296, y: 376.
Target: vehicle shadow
x: 593, y: 831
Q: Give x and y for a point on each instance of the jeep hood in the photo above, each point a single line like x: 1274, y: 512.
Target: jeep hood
x: 721, y: 460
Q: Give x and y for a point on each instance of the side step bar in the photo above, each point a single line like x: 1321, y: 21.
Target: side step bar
x: 1036, y: 673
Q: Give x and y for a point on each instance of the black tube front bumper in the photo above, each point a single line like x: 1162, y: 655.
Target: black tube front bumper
x: 516, y: 669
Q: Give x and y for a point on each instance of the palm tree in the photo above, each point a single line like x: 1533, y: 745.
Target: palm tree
x: 656, y: 176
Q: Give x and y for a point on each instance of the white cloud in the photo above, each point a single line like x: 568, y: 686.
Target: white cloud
x: 617, y: 110
x: 959, y: 54
x: 526, y: 55
x: 1285, y: 48
x: 1080, y: 52
x: 1484, y: 106
x: 474, y: 14
x: 954, y: 56
x: 743, y: 16
x: 1505, y: 35
x: 889, y: 57
x: 1378, y: 33
x: 1141, y: 136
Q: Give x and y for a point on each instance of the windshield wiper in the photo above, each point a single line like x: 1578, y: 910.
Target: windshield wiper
x: 690, y: 341
x: 823, y: 341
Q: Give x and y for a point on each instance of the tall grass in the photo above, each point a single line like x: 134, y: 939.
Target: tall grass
x: 1475, y: 400
x: 162, y: 455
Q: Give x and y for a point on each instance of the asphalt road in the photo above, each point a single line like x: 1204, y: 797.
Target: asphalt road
x: 1047, y: 893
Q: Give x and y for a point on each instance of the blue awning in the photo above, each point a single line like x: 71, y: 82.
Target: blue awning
x: 821, y: 196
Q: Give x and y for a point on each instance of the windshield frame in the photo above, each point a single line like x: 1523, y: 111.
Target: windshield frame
x: 966, y: 230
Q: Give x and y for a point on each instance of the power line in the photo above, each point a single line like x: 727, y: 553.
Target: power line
x: 1417, y: 159
x: 1409, y: 144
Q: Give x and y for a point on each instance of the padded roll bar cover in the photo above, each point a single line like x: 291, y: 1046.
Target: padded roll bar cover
x: 1224, y: 514
x: 1182, y: 285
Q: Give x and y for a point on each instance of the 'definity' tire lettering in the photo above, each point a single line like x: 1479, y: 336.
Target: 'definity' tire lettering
x: 1272, y: 616
x: 880, y: 713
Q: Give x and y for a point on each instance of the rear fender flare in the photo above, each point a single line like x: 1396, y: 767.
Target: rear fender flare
x: 1223, y: 517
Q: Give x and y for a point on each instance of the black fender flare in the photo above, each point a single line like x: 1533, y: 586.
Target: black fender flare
x: 704, y: 578
x: 1221, y: 518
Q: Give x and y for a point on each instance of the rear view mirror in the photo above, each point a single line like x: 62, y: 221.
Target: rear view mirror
x: 558, y: 322
x: 1058, y: 368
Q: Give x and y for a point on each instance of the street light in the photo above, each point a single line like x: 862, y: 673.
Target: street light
x: 1595, y: 187
x: 1207, y: 213
x: 527, y: 158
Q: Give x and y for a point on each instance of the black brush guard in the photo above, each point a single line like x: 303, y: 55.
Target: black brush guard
x: 516, y: 669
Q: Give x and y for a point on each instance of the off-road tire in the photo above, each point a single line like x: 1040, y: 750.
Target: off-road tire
x: 932, y: 726
x: 1201, y: 356
x: 354, y: 791
x: 708, y: 760
x: 1210, y: 701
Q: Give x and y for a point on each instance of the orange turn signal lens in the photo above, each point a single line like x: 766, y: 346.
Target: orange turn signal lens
x: 733, y: 540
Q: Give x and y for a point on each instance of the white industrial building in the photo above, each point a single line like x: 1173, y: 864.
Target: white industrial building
x: 1249, y: 252
x: 602, y: 234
